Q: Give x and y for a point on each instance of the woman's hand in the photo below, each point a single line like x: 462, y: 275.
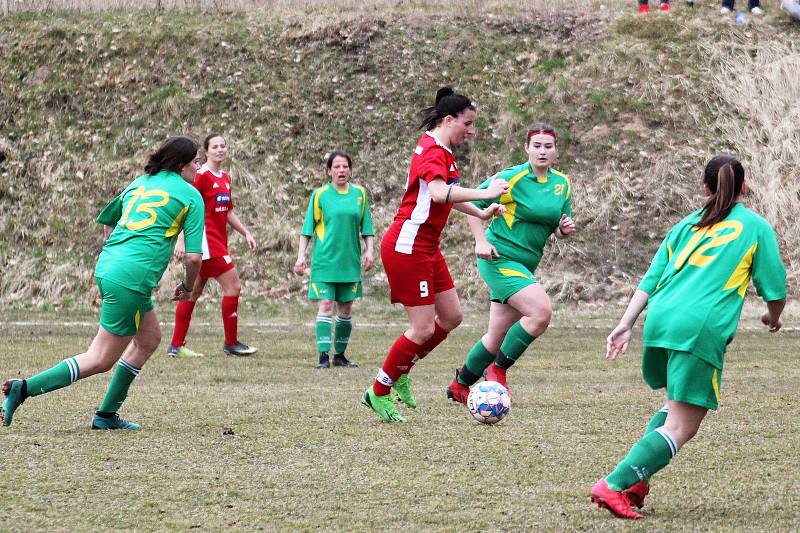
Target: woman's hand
x: 367, y: 260
x: 251, y: 242
x: 496, y: 188
x: 484, y: 250
x: 566, y: 226
x: 617, y: 342
x: 300, y: 266
x: 180, y: 249
x: 773, y: 325
x: 494, y: 210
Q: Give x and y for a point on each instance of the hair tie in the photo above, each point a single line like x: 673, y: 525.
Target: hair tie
x: 541, y: 132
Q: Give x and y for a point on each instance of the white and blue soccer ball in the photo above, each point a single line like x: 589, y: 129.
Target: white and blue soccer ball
x: 488, y: 402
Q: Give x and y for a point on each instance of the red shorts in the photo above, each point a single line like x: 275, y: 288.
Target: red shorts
x: 216, y: 266
x: 415, y: 279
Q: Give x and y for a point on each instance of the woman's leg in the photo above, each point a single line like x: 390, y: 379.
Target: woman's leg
x: 231, y: 288
x: 101, y: 355
x: 343, y: 328
x: 399, y: 361
x: 145, y: 342
x: 483, y: 352
x: 183, y: 317
x: 533, y: 304
x: 652, y: 453
x: 322, y: 332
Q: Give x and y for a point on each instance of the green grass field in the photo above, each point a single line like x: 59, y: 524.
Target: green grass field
x: 270, y: 443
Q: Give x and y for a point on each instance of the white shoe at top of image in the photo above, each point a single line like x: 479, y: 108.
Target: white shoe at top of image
x: 756, y: 11
x: 724, y: 10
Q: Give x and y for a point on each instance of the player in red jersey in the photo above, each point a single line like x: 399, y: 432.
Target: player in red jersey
x: 417, y: 272
x: 214, y: 185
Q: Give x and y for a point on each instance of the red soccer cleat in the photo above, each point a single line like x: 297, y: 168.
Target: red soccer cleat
x: 644, y: 8
x: 664, y: 6
x: 637, y: 493
x: 457, y: 392
x: 495, y: 373
x: 613, y: 500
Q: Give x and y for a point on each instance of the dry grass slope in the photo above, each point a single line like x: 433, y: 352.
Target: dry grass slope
x: 640, y: 104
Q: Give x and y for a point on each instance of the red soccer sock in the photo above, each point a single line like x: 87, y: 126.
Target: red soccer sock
x: 183, y: 316
x: 230, y: 319
x: 397, y: 363
x: 439, y: 335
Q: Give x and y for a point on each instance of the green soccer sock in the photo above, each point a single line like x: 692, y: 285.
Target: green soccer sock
x: 61, y: 375
x: 658, y: 420
x: 344, y: 325
x: 516, y: 342
x: 323, y: 332
x: 652, y: 453
x: 118, y: 388
x: 477, y: 361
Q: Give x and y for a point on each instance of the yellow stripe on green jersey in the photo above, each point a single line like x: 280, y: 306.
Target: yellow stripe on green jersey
x: 697, y: 292
x: 336, y: 221
x: 533, y: 209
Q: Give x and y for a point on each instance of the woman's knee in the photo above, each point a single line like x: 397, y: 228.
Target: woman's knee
x: 325, y: 307
x: 537, y: 322
x: 451, y: 320
x: 423, y: 332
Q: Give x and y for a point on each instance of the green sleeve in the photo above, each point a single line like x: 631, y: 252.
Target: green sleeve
x: 769, y: 274
x: 567, y: 208
x: 483, y: 204
x: 309, y: 222
x: 657, y: 266
x: 111, y: 213
x: 366, y: 217
x: 194, y: 223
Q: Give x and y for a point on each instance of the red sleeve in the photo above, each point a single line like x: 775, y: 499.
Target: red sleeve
x: 433, y: 164
x: 200, y: 182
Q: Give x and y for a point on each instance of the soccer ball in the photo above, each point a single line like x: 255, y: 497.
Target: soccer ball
x: 488, y: 402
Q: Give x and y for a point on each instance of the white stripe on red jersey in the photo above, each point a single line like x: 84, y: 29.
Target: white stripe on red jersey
x: 419, y: 221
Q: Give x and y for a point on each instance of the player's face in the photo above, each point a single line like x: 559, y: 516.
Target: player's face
x: 462, y: 126
x: 189, y: 171
x: 217, y: 150
x: 541, y: 150
x: 340, y: 171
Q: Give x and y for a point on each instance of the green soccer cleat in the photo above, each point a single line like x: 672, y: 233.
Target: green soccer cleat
x: 115, y: 422
x: 382, y: 405
x: 402, y: 387
x: 13, y: 391
x: 182, y: 352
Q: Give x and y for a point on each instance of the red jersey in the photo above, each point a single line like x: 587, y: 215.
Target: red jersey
x: 216, y: 192
x: 419, y: 221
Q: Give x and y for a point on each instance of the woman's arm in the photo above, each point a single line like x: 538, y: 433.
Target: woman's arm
x: 617, y: 342
x: 367, y: 258
x: 235, y: 223
x: 301, y: 265
x: 483, y: 249
x: 442, y: 193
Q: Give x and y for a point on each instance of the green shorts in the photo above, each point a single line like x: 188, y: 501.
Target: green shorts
x: 688, y: 378
x: 123, y: 309
x: 504, y: 277
x: 338, y: 292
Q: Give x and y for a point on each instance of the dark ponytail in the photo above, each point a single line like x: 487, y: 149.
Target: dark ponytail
x: 724, y: 176
x: 174, y: 154
x: 447, y: 103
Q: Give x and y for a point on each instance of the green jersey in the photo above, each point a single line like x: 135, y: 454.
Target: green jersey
x: 698, y: 278
x: 147, y: 217
x: 336, y: 220
x: 533, y: 209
